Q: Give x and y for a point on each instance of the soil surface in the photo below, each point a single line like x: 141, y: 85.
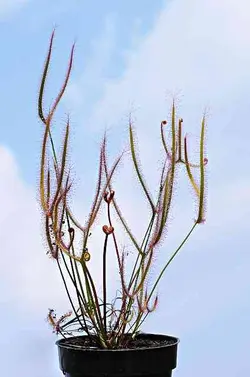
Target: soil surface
x: 137, y: 343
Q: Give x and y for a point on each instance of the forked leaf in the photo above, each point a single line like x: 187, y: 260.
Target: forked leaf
x: 154, y: 306
x: 48, y: 187
x: 97, y: 193
x: 190, y: 175
x: 162, y: 215
x: 62, y: 167
x: 163, y: 123
x: 116, y: 163
x: 48, y: 236
x: 42, y: 169
x: 144, y: 274
x: 200, y: 218
x: 43, y: 80
x: 170, y: 177
x: 114, y: 202
x: 60, y: 199
x: 138, y: 172
x: 73, y: 219
x: 180, y: 140
x: 64, y: 85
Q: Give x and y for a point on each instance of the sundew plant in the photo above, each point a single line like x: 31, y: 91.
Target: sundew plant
x: 110, y: 325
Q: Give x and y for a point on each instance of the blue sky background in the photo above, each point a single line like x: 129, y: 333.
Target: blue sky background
x: 130, y: 56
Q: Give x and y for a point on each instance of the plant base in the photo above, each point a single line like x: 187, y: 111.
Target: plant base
x: 149, y: 355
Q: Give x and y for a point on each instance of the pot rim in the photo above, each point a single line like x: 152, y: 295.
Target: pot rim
x: 60, y: 343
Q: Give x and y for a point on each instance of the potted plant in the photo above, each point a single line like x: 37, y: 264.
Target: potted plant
x: 101, y: 338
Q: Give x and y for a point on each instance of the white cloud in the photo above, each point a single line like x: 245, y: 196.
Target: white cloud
x: 8, y: 6
x: 200, y: 48
x: 29, y: 281
x: 26, y: 273
x: 200, y: 51
x: 93, y: 79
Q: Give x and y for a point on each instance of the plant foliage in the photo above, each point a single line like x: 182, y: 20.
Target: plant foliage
x: 108, y: 323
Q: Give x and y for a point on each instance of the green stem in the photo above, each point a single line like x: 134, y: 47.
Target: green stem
x: 136, y: 277
x: 105, y: 283
x: 162, y: 272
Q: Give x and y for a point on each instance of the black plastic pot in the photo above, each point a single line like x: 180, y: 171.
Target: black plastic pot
x: 157, y: 359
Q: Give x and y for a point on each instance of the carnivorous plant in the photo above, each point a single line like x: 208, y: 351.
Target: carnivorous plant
x: 112, y: 325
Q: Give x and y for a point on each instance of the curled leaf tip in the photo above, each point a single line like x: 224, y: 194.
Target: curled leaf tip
x: 108, y: 196
x: 164, y: 122
x: 107, y: 229
x: 86, y: 256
